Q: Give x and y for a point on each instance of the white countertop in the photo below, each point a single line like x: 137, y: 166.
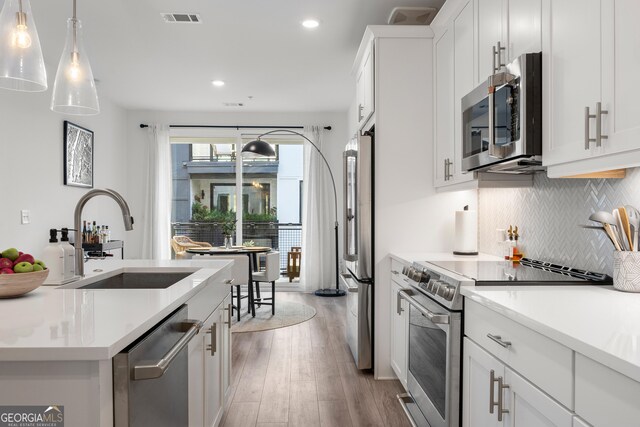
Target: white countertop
x: 95, y: 324
x: 409, y: 257
x: 596, y: 321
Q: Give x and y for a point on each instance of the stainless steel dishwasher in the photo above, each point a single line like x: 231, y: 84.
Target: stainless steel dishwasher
x: 150, y: 377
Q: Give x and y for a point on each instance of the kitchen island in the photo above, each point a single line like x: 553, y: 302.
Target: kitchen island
x: 57, y: 343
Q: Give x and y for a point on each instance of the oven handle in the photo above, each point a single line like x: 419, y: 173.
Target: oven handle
x: 493, y: 148
x: 433, y: 317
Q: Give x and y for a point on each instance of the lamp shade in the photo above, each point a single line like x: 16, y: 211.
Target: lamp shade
x: 21, y: 63
x: 74, y: 91
x: 258, y: 148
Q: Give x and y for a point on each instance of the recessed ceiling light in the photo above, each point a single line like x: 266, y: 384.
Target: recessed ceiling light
x: 218, y: 83
x: 310, y: 23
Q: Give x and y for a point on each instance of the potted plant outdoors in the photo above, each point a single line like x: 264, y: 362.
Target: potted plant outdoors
x: 228, y: 227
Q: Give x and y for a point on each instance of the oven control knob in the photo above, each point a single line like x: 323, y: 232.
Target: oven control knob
x: 437, y: 287
x: 425, y: 277
x: 442, y: 290
x: 449, y: 293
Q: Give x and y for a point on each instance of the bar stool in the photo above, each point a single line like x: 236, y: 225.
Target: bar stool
x: 240, y: 275
x: 270, y: 274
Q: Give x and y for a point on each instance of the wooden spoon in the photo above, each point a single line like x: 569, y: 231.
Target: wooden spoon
x: 626, y: 228
x: 612, y: 235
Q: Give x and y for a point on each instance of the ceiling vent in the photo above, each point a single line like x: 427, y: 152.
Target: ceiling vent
x: 233, y: 104
x: 412, y: 15
x: 181, y: 18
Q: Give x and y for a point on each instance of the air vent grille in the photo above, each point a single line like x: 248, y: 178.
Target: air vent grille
x: 412, y: 15
x: 233, y: 104
x: 181, y: 18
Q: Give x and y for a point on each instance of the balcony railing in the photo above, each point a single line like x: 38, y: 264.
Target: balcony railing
x: 279, y: 237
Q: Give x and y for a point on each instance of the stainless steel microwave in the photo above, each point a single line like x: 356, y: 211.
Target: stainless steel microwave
x: 502, y: 120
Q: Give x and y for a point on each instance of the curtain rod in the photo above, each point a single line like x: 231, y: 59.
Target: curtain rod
x: 238, y: 127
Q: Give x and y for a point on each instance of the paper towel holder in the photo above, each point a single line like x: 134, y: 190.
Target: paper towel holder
x: 458, y: 236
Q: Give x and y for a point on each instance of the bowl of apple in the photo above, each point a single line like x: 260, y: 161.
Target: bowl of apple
x: 20, y: 273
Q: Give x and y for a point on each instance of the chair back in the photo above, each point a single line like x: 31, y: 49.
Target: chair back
x: 240, y: 269
x: 272, y: 266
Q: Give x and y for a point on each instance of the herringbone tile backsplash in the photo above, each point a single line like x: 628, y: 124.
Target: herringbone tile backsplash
x: 548, y: 215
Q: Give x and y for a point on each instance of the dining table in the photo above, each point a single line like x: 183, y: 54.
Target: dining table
x: 251, y: 251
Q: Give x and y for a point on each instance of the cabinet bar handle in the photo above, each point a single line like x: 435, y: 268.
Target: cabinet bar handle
x: 229, y: 281
x: 228, y: 309
x: 395, y: 272
x: 587, y: 117
x: 399, y: 303
x: 497, y: 53
x: 213, y: 346
x: 501, y: 387
x: 492, y: 379
x: 598, y: 116
x: 360, y: 116
x: 498, y: 339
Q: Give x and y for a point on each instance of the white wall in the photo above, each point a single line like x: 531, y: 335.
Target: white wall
x: 137, y: 139
x: 31, y: 169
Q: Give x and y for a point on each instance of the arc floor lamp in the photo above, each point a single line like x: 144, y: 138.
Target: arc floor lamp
x: 262, y: 148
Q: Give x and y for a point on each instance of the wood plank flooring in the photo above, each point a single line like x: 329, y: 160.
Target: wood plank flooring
x: 304, y: 375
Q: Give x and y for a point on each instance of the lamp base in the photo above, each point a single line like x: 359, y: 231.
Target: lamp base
x: 330, y: 293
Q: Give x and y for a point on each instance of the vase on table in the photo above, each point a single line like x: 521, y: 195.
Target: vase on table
x: 228, y: 242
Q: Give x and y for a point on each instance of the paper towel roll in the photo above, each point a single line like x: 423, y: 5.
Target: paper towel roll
x: 466, y: 237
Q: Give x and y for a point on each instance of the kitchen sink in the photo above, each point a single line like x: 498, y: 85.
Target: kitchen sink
x: 138, y: 281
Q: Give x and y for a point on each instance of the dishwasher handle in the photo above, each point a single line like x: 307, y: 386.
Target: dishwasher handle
x: 433, y: 317
x: 156, y: 370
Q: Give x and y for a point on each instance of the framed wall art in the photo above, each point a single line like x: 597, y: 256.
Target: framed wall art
x: 78, y: 156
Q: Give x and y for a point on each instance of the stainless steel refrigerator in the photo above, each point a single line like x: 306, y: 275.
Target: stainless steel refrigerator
x: 358, y: 247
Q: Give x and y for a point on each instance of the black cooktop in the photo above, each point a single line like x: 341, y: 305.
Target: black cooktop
x: 526, y: 273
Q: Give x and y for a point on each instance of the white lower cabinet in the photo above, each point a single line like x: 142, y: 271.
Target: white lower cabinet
x: 494, y: 395
x: 399, y: 331
x: 210, y: 369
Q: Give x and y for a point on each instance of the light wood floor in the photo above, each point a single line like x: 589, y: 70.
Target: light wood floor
x: 304, y: 375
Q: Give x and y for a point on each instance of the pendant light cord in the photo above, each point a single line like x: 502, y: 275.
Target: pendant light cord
x: 75, y: 30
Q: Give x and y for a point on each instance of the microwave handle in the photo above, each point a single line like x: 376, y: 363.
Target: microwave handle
x: 494, y: 151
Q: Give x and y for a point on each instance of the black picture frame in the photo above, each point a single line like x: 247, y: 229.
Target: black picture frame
x: 78, y: 155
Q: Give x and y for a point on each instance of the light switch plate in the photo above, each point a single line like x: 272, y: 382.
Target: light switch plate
x: 25, y: 216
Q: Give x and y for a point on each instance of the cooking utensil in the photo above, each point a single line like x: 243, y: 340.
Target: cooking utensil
x: 609, y: 222
x: 622, y: 237
x: 634, y: 220
x: 626, y: 226
x: 612, y: 236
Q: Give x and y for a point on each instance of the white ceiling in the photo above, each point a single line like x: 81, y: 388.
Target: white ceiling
x: 258, y: 47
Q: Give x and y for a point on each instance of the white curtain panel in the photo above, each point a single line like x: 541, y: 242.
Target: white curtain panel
x: 156, y: 242
x: 317, y: 217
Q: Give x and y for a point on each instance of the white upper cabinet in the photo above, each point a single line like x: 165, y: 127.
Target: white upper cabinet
x: 620, y: 68
x: 489, y: 27
x: 365, y: 87
x: 444, y: 108
x: 571, y: 76
x: 591, y: 59
x: 524, y: 19
x: 463, y: 82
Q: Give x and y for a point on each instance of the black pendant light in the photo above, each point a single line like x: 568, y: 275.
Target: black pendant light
x: 258, y: 148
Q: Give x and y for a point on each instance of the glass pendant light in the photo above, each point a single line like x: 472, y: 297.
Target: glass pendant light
x: 21, y: 63
x: 74, y: 91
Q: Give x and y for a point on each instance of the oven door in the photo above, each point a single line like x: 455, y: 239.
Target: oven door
x: 434, y: 360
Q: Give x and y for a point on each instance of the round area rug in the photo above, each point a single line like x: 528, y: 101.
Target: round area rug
x: 287, y: 314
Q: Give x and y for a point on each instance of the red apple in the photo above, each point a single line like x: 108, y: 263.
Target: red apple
x: 5, y: 263
x: 24, y: 258
x: 6, y: 271
x: 20, y: 253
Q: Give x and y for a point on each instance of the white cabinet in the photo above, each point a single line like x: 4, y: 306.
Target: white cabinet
x: 524, y: 20
x: 226, y: 348
x: 365, y: 87
x: 571, y: 76
x: 489, y: 30
x: 590, y: 61
x: 399, y: 330
x: 210, y: 368
x: 463, y: 83
x: 444, y: 108
x: 494, y: 395
x: 620, y: 65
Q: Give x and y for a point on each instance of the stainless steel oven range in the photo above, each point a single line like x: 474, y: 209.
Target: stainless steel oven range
x: 435, y: 345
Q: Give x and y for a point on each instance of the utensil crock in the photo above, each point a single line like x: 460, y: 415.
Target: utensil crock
x: 626, y: 271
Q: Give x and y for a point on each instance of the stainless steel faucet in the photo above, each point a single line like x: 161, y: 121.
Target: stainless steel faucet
x: 77, y: 219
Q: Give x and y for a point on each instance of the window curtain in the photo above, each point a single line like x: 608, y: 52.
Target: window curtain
x: 156, y: 234
x: 317, y: 217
